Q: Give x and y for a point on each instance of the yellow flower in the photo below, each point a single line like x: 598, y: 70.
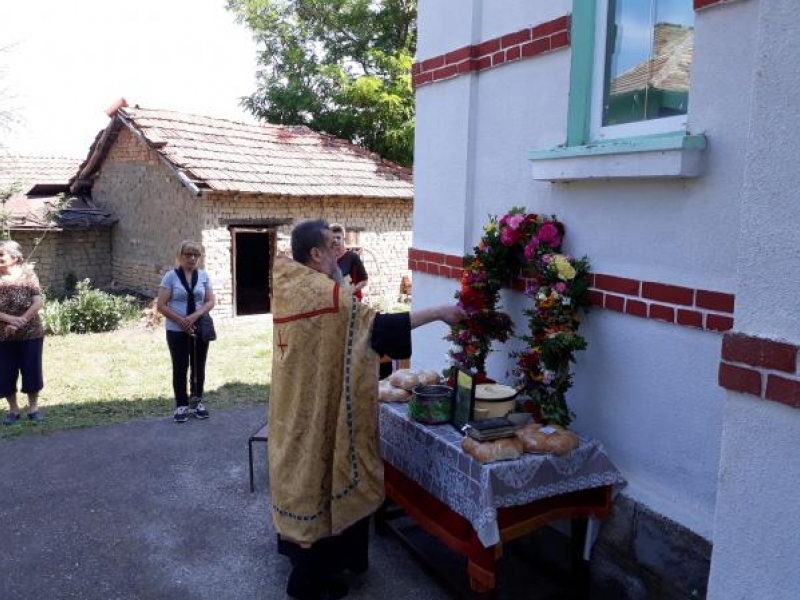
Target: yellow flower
x: 564, y: 269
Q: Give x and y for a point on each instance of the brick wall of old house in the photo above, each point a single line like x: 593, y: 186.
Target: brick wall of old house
x: 156, y: 212
x: 86, y: 254
x: 383, y: 226
x: 154, y: 209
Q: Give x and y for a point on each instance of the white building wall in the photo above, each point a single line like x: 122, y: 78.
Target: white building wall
x: 444, y: 171
x: 499, y: 17
x: 647, y: 390
x: 757, y: 517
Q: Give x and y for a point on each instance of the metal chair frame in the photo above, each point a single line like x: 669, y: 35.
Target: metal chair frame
x: 260, y: 435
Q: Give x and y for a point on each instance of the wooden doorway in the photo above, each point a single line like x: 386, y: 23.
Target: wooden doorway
x: 253, y: 252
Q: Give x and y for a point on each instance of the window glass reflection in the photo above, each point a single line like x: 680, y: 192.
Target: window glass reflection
x: 649, y: 49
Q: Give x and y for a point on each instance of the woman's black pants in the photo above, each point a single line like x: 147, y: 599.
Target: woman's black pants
x: 188, y: 352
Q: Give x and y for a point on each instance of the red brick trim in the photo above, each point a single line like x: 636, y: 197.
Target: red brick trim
x: 701, y: 4
x: 435, y: 263
x: 510, y: 47
x: 678, y: 305
x: 749, y: 366
x: 507, y: 48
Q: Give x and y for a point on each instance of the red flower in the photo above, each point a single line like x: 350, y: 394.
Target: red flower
x: 472, y: 299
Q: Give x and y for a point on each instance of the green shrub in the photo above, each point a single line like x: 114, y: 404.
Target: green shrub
x: 89, y: 310
x: 54, y: 318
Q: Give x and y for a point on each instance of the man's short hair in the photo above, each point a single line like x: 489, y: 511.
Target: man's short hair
x: 337, y: 228
x: 308, y: 235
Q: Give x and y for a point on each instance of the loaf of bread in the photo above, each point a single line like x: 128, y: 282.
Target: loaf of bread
x: 547, y: 439
x: 389, y: 393
x: 486, y: 452
x: 428, y: 377
x: 404, y: 378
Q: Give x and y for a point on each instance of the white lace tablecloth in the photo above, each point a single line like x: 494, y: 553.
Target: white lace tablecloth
x: 431, y: 455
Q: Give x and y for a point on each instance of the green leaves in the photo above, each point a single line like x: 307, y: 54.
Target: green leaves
x: 338, y: 66
x: 89, y: 310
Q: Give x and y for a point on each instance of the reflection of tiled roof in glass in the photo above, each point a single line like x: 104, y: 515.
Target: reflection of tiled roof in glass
x: 670, y: 67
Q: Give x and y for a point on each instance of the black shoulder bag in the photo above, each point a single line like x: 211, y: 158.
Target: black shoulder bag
x: 205, y: 324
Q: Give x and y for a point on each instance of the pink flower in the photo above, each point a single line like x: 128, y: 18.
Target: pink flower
x: 560, y: 287
x: 512, y: 221
x: 515, y: 221
x: 530, y: 248
x: 548, y: 234
x: 511, y: 232
x: 508, y: 237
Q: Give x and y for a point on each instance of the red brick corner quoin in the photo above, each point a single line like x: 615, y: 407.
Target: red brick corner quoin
x: 760, y: 367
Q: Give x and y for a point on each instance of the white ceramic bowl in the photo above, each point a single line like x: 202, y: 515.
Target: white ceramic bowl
x: 493, y: 400
x: 486, y: 409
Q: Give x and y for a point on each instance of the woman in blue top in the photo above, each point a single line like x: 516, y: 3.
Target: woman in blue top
x: 182, y: 309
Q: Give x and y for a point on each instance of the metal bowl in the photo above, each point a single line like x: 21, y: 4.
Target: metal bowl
x: 431, y: 404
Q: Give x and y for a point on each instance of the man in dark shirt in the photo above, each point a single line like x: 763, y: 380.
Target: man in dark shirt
x: 349, y: 262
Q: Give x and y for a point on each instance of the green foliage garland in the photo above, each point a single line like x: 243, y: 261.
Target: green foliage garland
x: 558, y: 284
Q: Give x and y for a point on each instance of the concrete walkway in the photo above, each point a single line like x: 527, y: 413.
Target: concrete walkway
x: 154, y: 510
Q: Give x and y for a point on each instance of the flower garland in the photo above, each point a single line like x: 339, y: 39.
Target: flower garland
x: 530, y: 245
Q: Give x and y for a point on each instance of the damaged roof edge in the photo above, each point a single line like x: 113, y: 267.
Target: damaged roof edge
x: 179, y: 173
x: 82, y: 182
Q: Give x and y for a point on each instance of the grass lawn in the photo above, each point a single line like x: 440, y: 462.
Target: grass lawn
x: 102, y: 378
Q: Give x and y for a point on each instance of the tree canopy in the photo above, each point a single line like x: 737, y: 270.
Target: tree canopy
x: 338, y: 66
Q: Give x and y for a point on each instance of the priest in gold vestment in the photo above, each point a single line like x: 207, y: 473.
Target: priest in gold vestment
x: 325, y: 470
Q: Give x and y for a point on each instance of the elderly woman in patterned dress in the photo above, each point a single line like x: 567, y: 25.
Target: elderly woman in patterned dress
x: 21, y: 333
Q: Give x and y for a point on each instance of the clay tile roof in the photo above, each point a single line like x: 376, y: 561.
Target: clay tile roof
x: 25, y: 171
x: 38, y: 181
x: 222, y: 155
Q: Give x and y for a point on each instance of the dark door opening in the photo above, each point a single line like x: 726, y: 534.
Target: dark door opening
x: 253, y: 251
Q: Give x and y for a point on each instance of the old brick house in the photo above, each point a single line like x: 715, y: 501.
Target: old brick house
x: 71, y: 242
x: 239, y: 189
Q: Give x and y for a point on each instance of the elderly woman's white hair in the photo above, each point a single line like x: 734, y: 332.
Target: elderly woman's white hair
x: 12, y: 248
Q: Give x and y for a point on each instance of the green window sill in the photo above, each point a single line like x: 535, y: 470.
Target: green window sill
x: 673, y: 155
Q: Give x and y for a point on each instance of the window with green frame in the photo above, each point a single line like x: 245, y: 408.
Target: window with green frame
x: 631, y: 68
x: 629, y: 94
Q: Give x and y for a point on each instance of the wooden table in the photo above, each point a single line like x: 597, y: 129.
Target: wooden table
x: 474, y: 509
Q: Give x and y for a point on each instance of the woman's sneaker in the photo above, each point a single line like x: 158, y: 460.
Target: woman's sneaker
x: 181, y: 414
x: 197, y: 409
x: 35, y: 416
x: 11, y: 418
